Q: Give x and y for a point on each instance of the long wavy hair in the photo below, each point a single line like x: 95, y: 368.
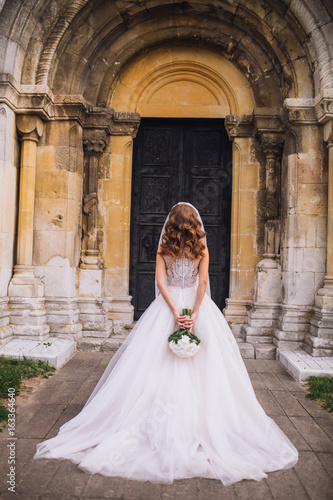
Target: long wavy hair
x: 183, y: 230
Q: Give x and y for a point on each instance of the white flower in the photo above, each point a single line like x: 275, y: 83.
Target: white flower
x: 184, y: 348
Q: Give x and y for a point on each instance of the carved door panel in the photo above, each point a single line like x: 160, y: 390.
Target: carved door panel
x: 179, y: 160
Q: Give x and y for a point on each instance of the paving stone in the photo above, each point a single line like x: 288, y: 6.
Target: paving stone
x: 104, y: 487
x: 275, y: 367
x: 312, y: 407
x: 326, y: 424
x: 180, y: 489
x: 253, y: 490
x: 312, y: 433
x: 70, y: 412
x: 289, y: 404
x: 84, y: 392
x: 68, y: 480
x: 41, y: 421
x: 144, y: 490
x: 210, y: 488
x: 292, y: 433
x: 261, y: 366
x: 257, y: 381
x: 249, y: 365
x: 314, y: 478
x: 292, y: 487
x: 288, y: 381
x: 273, y: 383
x: 65, y: 393
x: 25, y: 450
x: 34, y: 478
x: 326, y: 459
x: 269, y: 403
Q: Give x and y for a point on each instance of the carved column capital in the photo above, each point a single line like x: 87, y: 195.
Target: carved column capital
x: 29, y: 127
x: 271, y: 143
x: 94, y: 141
x: 239, y: 126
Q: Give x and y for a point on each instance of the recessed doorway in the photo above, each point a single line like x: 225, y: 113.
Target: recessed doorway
x: 179, y: 160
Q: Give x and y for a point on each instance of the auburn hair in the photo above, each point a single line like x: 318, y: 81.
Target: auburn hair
x: 183, y: 230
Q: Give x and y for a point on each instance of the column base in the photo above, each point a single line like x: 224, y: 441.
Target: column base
x: 24, y: 283
x: 28, y: 318
x: 6, y: 331
x: 63, y: 317
x: 235, y: 311
x: 261, y: 322
x: 293, y: 326
x: 320, y: 340
x: 94, y: 317
x: 120, y: 309
x: 263, y: 312
x: 91, y: 261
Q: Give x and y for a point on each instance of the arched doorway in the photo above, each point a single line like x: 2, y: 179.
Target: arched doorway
x: 194, y: 90
x: 175, y: 160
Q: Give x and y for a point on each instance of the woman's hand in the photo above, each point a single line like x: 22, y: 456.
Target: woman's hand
x: 180, y: 320
x: 189, y: 322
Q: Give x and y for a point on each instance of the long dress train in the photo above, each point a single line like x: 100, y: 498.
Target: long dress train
x: 159, y: 417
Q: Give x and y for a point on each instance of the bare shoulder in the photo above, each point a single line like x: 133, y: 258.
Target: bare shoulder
x: 206, y: 253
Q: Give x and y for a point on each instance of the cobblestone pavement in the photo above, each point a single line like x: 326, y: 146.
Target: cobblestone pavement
x: 61, y: 397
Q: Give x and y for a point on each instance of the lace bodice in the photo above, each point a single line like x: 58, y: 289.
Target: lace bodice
x: 182, y: 272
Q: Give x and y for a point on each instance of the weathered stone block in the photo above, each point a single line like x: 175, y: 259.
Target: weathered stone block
x: 264, y: 351
x: 312, y: 199
x: 90, y: 282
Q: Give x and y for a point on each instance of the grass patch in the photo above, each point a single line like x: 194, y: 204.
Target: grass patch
x: 13, y: 373
x: 321, y: 389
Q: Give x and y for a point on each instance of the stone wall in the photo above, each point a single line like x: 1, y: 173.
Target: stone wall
x: 75, y: 79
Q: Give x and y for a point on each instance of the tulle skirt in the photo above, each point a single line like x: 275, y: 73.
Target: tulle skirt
x: 157, y: 417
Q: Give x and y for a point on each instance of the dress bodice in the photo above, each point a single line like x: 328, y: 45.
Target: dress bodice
x: 182, y: 272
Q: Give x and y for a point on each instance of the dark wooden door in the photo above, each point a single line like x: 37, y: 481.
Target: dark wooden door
x: 179, y: 160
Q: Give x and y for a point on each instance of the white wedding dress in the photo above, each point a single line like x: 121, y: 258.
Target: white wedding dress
x: 154, y: 416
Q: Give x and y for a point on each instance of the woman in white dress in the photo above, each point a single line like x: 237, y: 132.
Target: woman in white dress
x: 158, y: 417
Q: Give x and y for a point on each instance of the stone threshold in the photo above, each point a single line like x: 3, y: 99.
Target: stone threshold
x: 56, y: 354
x: 302, y: 365
x: 93, y: 344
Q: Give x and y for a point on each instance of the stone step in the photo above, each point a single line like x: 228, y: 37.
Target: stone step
x: 246, y: 349
x: 56, y: 351
x: 264, y: 350
x: 91, y: 344
x: 302, y: 365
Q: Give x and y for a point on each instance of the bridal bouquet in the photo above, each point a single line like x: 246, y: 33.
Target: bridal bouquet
x: 182, y: 342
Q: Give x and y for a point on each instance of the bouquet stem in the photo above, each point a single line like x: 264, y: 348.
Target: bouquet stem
x: 184, y: 331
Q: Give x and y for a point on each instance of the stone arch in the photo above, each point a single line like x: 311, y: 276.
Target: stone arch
x: 152, y: 80
x: 206, y: 85
x: 35, y: 43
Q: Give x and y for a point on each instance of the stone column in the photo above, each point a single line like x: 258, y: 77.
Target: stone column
x: 320, y: 340
x: 263, y: 307
x: 25, y: 290
x: 264, y: 311
x: 244, y: 223
x: 94, y: 143
x: 93, y: 313
x: 303, y: 222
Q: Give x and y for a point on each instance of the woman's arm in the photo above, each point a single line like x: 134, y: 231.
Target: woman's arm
x: 203, y: 275
x: 160, y: 281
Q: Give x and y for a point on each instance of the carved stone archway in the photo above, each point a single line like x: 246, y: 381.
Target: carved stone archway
x: 181, y: 82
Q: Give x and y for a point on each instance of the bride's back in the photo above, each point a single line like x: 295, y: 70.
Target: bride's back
x: 181, y: 271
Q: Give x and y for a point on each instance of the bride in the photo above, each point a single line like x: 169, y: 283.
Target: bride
x: 154, y: 416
